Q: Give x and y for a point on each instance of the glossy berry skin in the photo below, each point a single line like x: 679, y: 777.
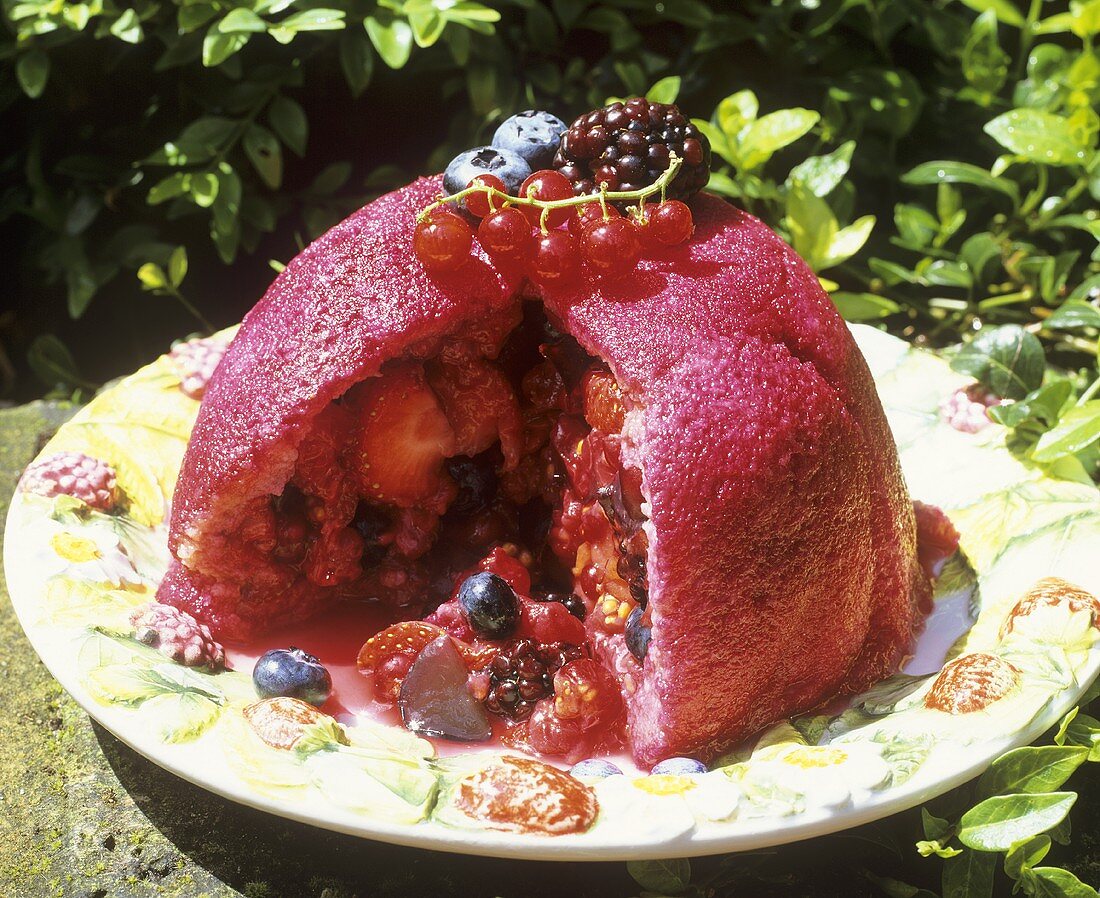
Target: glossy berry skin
x: 477, y: 204
x: 572, y: 603
x: 534, y: 135
x: 476, y: 479
x: 547, y: 185
x: 294, y: 673
x: 555, y: 259
x: 504, y: 164
x: 491, y: 605
x: 671, y: 223
x: 506, y: 236
x: 589, y: 214
x: 637, y: 634
x: 442, y: 242
x: 611, y: 248
x: 596, y: 768
x: 678, y: 767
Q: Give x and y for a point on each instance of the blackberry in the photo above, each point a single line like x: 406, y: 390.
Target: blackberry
x: 522, y: 673
x: 628, y: 146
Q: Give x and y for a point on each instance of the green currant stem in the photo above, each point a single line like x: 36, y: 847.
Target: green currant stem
x: 616, y: 196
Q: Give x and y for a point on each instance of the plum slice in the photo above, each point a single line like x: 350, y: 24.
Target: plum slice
x: 434, y: 699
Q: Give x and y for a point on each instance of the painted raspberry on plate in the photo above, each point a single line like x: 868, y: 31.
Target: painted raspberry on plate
x: 177, y: 635
x: 195, y: 362
x: 75, y: 474
x: 690, y: 458
x: 967, y: 409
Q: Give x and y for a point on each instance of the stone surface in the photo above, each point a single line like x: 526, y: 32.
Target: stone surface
x: 82, y: 815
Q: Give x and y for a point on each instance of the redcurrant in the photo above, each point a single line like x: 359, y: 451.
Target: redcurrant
x: 611, y: 247
x: 547, y: 185
x: 671, y: 222
x: 442, y: 242
x: 588, y: 214
x: 506, y: 235
x: 478, y: 203
x: 556, y: 258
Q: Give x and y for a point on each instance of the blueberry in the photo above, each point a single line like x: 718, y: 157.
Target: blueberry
x: 294, y: 673
x: 505, y: 164
x: 679, y: 767
x: 594, y: 767
x: 637, y: 634
x: 476, y: 479
x: 491, y: 605
x: 573, y: 603
x: 533, y: 135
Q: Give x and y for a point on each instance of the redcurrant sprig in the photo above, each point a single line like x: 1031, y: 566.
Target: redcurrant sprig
x: 525, y: 232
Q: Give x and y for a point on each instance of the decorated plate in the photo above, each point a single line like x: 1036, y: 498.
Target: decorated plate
x: 1009, y: 648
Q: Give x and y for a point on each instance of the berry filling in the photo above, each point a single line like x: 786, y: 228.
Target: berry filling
x: 478, y: 491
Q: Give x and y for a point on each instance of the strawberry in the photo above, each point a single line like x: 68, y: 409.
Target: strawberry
x: 971, y: 683
x: 402, y: 440
x: 387, y: 656
x: 480, y: 406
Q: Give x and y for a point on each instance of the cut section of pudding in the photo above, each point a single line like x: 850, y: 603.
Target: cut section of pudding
x: 691, y: 459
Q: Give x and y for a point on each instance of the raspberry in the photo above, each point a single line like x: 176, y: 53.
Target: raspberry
x: 177, y: 635
x: 195, y: 361
x: 967, y: 408
x: 74, y: 474
x: 628, y: 146
x: 522, y: 673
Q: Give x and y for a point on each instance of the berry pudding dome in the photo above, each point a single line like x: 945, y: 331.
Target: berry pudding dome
x: 593, y: 447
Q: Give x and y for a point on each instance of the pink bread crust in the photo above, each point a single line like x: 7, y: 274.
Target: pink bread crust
x: 352, y: 300
x: 783, y: 569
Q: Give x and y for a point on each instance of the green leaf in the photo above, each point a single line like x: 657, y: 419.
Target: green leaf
x: 152, y: 276
x: 821, y: 174
x: 848, y: 241
x: 735, y: 112
x: 124, y: 684
x: 241, y: 20
x: 288, y: 120
x: 863, y: 306
x: 667, y: 877
x: 1004, y: 10
x: 1072, y: 314
x: 32, y: 70
x: 1085, y: 17
x: 1026, y: 853
x: 127, y: 27
x: 934, y: 827
x: 1008, y: 360
x: 357, y: 60
x: 218, y: 47
x: 812, y: 225
x: 203, y: 188
x: 761, y: 139
x: 1054, y: 882
x: 52, y: 363
x: 1084, y: 730
x: 997, y: 823
x: 168, y: 188
x: 308, y: 20
x: 945, y: 171
x: 1031, y: 769
x: 393, y: 40
x: 1078, y: 429
x: 1043, y: 405
x: 264, y: 153
x: 969, y: 875
x: 664, y: 91
x: 985, y: 64
x: 1037, y: 136
x: 177, y: 266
